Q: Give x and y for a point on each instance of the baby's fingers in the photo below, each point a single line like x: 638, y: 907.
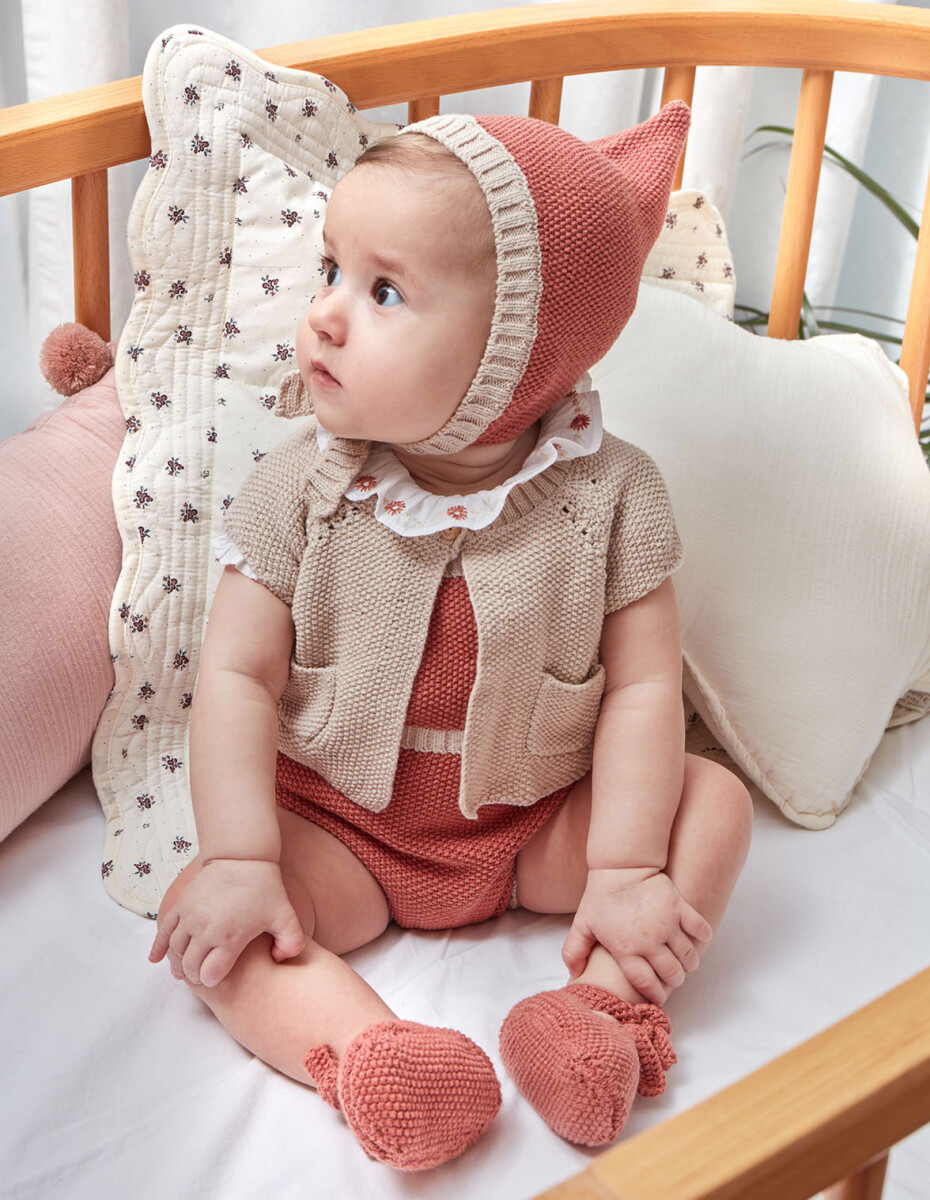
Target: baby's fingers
x: 166, y: 927
x: 694, y: 924
x: 217, y: 964
x: 683, y: 949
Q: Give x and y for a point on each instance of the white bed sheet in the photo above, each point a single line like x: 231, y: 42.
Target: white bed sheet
x: 117, y: 1082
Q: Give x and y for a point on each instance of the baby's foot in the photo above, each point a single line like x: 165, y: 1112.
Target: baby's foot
x: 579, y: 1070
x: 413, y: 1095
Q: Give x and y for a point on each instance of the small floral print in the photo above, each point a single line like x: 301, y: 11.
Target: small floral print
x: 181, y: 661
x: 222, y: 371
x: 183, y: 335
x: 580, y: 421
x: 177, y: 289
x: 135, y: 351
x: 138, y: 623
x: 697, y: 285
x: 233, y: 70
x: 139, y: 721
x: 239, y: 186
x: 143, y: 279
x: 180, y: 845
x: 331, y: 160
x: 225, y: 503
x: 145, y: 801
x: 174, y: 466
x: 106, y: 869
x: 366, y: 483
x: 143, y: 868
x: 309, y: 108
x: 326, y: 82
x: 143, y: 533
x: 289, y: 217
x: 170, y: 763
x: 158, y: 160
x: 283, y: 352
x: 668, y: 273
x: 351, y: 107
x: 701, y: 261
x: 268, y: 400
x: 258, y: 455
x: 394, y: 507
x: 170, y: 584
x: 176, y: 215
x: 230, y: 329
x: 270, y: 286
x: 211, y: 433
x: 458, y: 512
x: 123, y: 611
x: 191, y: 95
x: 363, y: 139
x: 189, y: 513
x: 200, y: 145
x: 290, y: 170
x: 226, y: 257
x: 146, y: 691
x: 165, y: 41
x: 159, y: 399
x: 271, y: 75
x: 142, y: 499
x: 700, y: 202
x: 271, y: 111
x: 671, y: 219
x: 727, y: 270
x: 187, y: 699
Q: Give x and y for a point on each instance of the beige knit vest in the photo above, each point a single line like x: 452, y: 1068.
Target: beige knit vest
x: 583, y: 538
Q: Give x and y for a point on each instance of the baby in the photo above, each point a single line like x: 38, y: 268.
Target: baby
x: 442, y: 675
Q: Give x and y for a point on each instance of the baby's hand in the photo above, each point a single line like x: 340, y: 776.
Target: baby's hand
x: 643, y: 921
x: 228, y: 904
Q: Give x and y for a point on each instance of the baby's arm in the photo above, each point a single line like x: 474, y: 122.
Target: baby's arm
x: 239, y: 893
x: 630, y: 905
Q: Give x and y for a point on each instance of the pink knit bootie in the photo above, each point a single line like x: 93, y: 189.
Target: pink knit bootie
x: 579, y: 1071
x: 414, y: 1096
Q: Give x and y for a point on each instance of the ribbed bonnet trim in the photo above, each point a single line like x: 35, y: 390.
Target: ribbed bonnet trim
x: 519, y: 280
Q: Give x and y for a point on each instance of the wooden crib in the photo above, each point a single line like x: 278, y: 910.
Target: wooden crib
x: 830, y: 1109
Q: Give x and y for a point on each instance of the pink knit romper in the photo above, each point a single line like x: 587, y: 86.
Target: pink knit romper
x: 438, y: 868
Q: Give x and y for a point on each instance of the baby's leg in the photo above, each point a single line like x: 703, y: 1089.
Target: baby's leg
x: 279, y: 1010
x: 580, y: 1053
x: 414, y: 1096
x: 707, y: 849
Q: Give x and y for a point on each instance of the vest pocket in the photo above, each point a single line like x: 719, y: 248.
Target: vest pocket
x: 307, y: 702
x: 565, y: 714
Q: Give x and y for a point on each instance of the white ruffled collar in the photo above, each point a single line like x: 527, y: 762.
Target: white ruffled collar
x: 570, y: 429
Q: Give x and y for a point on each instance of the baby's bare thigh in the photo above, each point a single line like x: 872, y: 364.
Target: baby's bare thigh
x: 345, y: 903
x: 552, y: 867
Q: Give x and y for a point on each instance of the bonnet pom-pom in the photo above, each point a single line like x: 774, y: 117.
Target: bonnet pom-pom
x: 73, y: 357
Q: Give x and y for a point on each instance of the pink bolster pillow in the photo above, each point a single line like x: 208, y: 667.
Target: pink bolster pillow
x: 60, y: 557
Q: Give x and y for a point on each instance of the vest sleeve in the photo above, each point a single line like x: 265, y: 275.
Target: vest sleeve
x: 267, y: 518
x: 644, y: 544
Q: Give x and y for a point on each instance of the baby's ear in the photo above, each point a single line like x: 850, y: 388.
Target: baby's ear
x: 294, y: 398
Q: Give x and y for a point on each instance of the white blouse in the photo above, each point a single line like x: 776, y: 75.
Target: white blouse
x: 570, y: 429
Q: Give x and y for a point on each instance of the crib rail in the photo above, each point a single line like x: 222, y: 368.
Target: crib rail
x: 81, y: 135
x: 825, y: 1109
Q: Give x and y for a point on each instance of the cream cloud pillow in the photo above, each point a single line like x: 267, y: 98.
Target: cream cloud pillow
x: 223, y: 237
x: 803, y: 503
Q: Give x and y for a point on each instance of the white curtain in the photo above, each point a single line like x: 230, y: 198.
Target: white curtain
x: 860, y: 257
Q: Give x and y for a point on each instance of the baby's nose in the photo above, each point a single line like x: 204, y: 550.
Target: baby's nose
x: 325, y: 316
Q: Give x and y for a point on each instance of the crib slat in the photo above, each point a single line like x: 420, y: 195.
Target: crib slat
x: 546, y: 99
x: 419, y: 110
x: 90, y: 228
x: 915, y: 346
x: 794, y: 243
x: 867, y: 1183
x: 678, y: 84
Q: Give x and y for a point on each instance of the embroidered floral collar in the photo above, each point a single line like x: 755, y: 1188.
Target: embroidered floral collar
x: 570, y: 429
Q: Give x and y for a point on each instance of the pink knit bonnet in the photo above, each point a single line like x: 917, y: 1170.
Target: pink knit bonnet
x: 573, y: 224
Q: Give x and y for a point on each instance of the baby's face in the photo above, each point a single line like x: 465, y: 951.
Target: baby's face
x: 395, y: 335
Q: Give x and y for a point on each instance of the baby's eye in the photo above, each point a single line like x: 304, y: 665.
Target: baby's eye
x: 327, y: 268
x: 387, y: 295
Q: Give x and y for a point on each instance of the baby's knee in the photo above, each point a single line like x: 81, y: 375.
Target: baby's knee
x: 719, y: 801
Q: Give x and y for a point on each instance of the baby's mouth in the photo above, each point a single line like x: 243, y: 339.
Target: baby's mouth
x: 322, y: 376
